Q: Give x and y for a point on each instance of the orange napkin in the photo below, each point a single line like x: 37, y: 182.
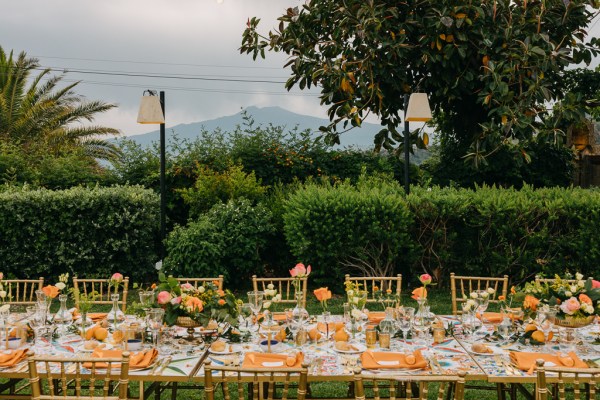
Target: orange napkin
x: 12, y: 358
x: 321, y: 326
x: 494, y: 317
x: 95, y: 317
x: 526, y: 361
x: 279, y: 317
x: 376, y: 317
x: 138, y: 360
x: 256, y: 360
x: 370, y: 360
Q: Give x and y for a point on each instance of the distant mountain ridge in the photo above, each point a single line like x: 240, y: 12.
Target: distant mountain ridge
x: 361, y: 138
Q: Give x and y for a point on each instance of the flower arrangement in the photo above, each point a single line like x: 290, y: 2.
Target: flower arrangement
x: 51, y: 291
x: 203, y: 304
x: 115, y: 281
x: 357, y: 297
x: 323, y: 294
x: 299, y: 272
x: 421, y: 292
x: 575, y: 299
x: 270, y: 296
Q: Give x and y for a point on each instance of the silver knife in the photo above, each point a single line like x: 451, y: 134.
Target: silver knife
x: 164, y: 365
x: 158, y: 363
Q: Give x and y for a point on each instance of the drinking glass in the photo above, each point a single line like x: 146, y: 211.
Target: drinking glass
x: 505, y: 330
x: 155, y: 321
x: 483, y: 301
x: 567, y: 340
x: 470, y: 324
x: 323, y: 324
x: 146, y: 297
x: 37, y: 321
x: 255, y: 299
x: 244, y: 314
x: 544, y: 320
x: 405, y: 319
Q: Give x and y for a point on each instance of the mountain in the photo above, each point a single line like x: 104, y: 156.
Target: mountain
x: 361, y: 138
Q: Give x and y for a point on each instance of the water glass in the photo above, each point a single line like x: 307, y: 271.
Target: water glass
x: 255, y: 299
x: 154, y: 319
x: 505, y: 330
x: 567, y: 340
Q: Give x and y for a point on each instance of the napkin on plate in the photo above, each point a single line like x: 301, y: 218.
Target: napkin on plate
x: 12, y: 358
x: 94, y: 317
x: 376, y: 317
x: 526, y: 361
x: 494, y: 317
x: 376, y: 360
x: 270, y: 360
x: 138, y: 360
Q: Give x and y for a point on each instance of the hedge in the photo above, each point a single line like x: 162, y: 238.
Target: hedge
x: 86, y: 232
x: 487, y: 231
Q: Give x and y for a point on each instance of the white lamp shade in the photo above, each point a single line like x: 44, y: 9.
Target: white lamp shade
x: 418, y: 108
x: 150, y: 111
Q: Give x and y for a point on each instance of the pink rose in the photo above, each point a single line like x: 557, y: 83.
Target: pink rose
x: 595, y: 283
x: 425, y: 279
x: 164, y: 297
x: 176, y: 300
x: 300, y: 271
x: 117, y: 277
x: 570, y: 306
x: 186, y: 286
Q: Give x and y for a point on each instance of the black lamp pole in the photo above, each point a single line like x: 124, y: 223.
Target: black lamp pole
x: 406, y: 149
x: 163, y: 199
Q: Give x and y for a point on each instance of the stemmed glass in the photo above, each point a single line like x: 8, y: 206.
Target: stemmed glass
x: 296, y: 321
x: 146, y: 297
x: 483, y: 301
x: 505, y: 330
x: 405, y: 317
x: 255, y: 299
x: 37, y: 321
x: 544, y: 320
x: 244, y: 312
x: 154, y: 318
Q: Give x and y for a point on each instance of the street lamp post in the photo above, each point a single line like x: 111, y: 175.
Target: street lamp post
x: 152, y: 111
x: 416, y: 108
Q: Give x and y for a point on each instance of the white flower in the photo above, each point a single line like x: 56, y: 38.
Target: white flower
x: 270, y: 286
x: 356, y: 313
x: 201, y: 289
x: 158, y: 265
x: 5, y: 308
x: 474, y: 295
x: 350, y: 293
x: 491, y: 290
x: 267, y: 304
x: 573, y: 288
x: 60, y: 286
x: 3, y: 293
x: 568, y: 293
x: 587, y: 308
x: 355, y: 300
x: 579, y: 276
x: 581, y: 283
x: 277, y: 298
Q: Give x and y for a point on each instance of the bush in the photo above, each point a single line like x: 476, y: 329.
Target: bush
x: 227, y: 240
x: 86, y: 232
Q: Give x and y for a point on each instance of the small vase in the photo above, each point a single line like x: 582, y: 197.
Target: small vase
x: 299, y: 309
x: 388, y: 324
x: 115, y: 314
x: 63, y: 318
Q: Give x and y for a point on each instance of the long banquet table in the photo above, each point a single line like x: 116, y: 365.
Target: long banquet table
x: 453, y: 355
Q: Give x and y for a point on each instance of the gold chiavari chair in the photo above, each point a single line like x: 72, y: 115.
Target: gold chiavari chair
x: 284, y: 286
x: 539, y: 279
x: 260, y: 383
x: 580, y: 381
x: 407, y: 387
x: 384, y: 283
x: 53, y: 380
x: 22, y: 291
x: 102, y: 289
x: 199, y: 281
x: 462, y: 286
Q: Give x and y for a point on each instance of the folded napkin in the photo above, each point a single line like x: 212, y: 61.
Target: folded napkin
x: 269, y: 360
x: 376, y: 360
x: 376, y: 317
x: 94, y: 317
x: 138, y: 360
x: 494, y: 317
x: 526, y: 361
x: 321, y: 326
x: 279, y: 316
x: 12, y: 358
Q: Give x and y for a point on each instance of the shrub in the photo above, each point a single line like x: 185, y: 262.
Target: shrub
x: 86, y: 232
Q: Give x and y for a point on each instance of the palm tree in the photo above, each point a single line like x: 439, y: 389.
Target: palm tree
x: 41, y: 118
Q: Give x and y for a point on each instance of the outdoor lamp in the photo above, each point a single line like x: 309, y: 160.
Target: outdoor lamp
x: 415, y: 109
x: 152, y: 111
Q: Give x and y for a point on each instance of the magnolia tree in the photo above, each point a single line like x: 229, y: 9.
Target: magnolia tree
x: 490, y: 67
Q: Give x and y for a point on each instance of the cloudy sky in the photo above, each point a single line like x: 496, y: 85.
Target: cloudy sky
x: 192, y: 44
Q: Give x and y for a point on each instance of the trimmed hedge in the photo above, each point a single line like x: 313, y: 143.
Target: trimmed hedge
x: 86, y: 232
x: 487, y: 231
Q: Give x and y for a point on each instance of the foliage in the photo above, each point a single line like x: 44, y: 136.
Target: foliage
x: 367, y: 224
x: 489, y: 67
x: 214, y: 187
x: 203, y: 304
x: 91, y: 232
x: 44, y: 119
x: 227, y: 240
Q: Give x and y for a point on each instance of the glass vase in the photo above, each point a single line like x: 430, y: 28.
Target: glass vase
x: 388, y: 324
x: 299, y: 315
x: 63, y: 318
x: 115, y: 314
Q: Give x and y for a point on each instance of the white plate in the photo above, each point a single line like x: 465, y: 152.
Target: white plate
x: 234, y: 350
x: 495, y: 351
x: 360, y: 348
x: 81, y: 347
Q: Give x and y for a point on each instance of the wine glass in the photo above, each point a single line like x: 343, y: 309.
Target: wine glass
x: 470, y: 324
x: 292, y: 323
x: 505, y: 330
x: 405, y: 319
x: 323, y: 323
x: 544, y: 320
x: 483, y: 301
x: 154, y: 318
x: 146, y: 297
x: 244, y: 312
x: 37, y: 321
x: 255, y: 299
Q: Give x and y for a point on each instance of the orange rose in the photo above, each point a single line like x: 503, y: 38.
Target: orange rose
x: 419, y: 293
x: 513, y: 290
x: 322, y: 294
x: 194, y: 304
x: 221, y: 302
x: 501, y: 298
x: 153, y: 286
x: 216, y: 283
x: 584, y: 298
x: 530, y: 302
x: 220, y: 292
x: 50, y: 291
